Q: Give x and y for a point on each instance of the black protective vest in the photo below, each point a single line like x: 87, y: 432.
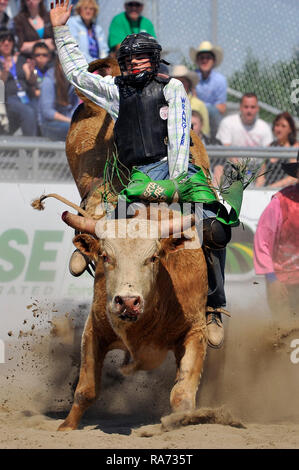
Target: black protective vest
x: 140, y: 132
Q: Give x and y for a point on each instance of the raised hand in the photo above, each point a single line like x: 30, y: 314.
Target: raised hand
x: 28, y: 68
x: 60, y: 12
x: 7, y: 64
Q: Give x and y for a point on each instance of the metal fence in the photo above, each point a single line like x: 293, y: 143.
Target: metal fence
x: 33, y: 159
x: 40, y: 160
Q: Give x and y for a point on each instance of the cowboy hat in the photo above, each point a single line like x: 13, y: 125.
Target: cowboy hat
x: 182, y: 71
x: 292, y: 169
x: 207, y: 46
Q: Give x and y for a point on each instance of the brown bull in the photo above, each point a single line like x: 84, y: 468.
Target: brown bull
x: 149, y: 298
x: 125, y: 314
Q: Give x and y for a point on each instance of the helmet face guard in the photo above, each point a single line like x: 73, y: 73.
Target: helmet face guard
x: 141, y: 43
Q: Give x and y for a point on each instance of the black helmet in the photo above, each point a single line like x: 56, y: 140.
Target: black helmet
x: 138, y: 44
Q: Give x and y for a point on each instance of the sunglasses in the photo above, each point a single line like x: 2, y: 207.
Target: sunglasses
x: 6, y: 39
x: 41, y: 54
x: 205, y: 56
x: 134, y: 4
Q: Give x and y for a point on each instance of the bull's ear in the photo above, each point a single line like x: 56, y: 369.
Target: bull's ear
x: 88, y: 245
x: 172, y: 244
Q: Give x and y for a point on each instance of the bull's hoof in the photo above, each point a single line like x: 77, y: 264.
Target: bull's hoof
x: 65, y: 427
x: 130, y: 368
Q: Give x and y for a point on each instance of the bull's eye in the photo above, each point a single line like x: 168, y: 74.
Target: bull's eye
x: 105, y: 258
x: 154, y: 259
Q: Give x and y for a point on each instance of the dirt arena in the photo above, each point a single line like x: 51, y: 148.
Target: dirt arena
x: 248, y: 396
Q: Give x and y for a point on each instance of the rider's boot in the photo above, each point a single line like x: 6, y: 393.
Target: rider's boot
x: 215, y: 236
x: 78, y: 263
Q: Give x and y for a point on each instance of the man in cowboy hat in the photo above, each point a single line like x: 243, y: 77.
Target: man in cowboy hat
x: 128, y: 22
x: 212, y: 86
x: 276, y: 248
x: 190, y: 79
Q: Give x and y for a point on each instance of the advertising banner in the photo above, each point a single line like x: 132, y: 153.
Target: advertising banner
x: 35, y: 247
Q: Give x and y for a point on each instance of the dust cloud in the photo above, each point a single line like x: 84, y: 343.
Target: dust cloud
x: 250, y: 380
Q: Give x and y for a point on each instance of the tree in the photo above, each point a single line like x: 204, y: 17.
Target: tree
x: 271, y: 83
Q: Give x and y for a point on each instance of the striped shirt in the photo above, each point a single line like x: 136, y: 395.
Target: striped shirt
x: 103, y: 92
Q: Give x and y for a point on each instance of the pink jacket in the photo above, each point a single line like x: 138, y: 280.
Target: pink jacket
x: 271, y: 256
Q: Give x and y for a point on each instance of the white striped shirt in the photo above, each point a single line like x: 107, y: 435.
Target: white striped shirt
x: 103, y: 92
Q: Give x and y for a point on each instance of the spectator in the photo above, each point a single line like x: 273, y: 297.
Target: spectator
x: 197, y: 125
x: 128, y: 22
x: 212, y: 86
x: 57, y: 103
x: 276, y: 247
x: 88, y: 34
x: 284, y: 130
x: 190, y: 79
x: 5, y: 21
x: 42, y: 56
x: 244, y: 129
x: 32, y: 24
x: 17, y: 74
x: 14, y: 7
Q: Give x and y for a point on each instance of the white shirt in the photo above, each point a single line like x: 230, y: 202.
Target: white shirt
x: 233, y: 132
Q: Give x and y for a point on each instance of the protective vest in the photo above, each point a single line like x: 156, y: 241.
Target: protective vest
x: 286, y: 256
x: 140, y: 131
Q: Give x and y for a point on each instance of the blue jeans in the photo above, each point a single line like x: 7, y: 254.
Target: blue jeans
x: 160, y: 171
x: 55, y: 130
x: 21, y: 115
x: 216, y: 266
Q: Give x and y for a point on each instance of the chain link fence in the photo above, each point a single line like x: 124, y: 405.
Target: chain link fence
x: 259, y: 39
x: 33, y: 159
x: 261, y: 54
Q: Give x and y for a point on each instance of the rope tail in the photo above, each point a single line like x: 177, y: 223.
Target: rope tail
x: 38, y: 203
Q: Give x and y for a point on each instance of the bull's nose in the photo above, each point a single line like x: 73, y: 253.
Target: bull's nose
x: 128, y: 302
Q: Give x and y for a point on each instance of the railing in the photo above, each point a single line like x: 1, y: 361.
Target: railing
x: 40, y: 160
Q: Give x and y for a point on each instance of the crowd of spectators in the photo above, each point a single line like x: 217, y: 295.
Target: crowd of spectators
x: 40, y: 102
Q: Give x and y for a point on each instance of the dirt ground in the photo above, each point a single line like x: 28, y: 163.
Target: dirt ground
x: 248, y: 397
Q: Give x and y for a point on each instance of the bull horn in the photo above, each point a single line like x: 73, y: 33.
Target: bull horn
x: 176, y: 225
x: 38, y: 203
x: 83, y: 224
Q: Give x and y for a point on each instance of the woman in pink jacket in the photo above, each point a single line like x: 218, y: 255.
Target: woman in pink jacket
x: 276, y: 248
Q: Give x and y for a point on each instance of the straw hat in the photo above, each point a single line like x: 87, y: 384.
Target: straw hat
x: 182, y: 71
x: 207, y: 46
x: 292, y: 169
